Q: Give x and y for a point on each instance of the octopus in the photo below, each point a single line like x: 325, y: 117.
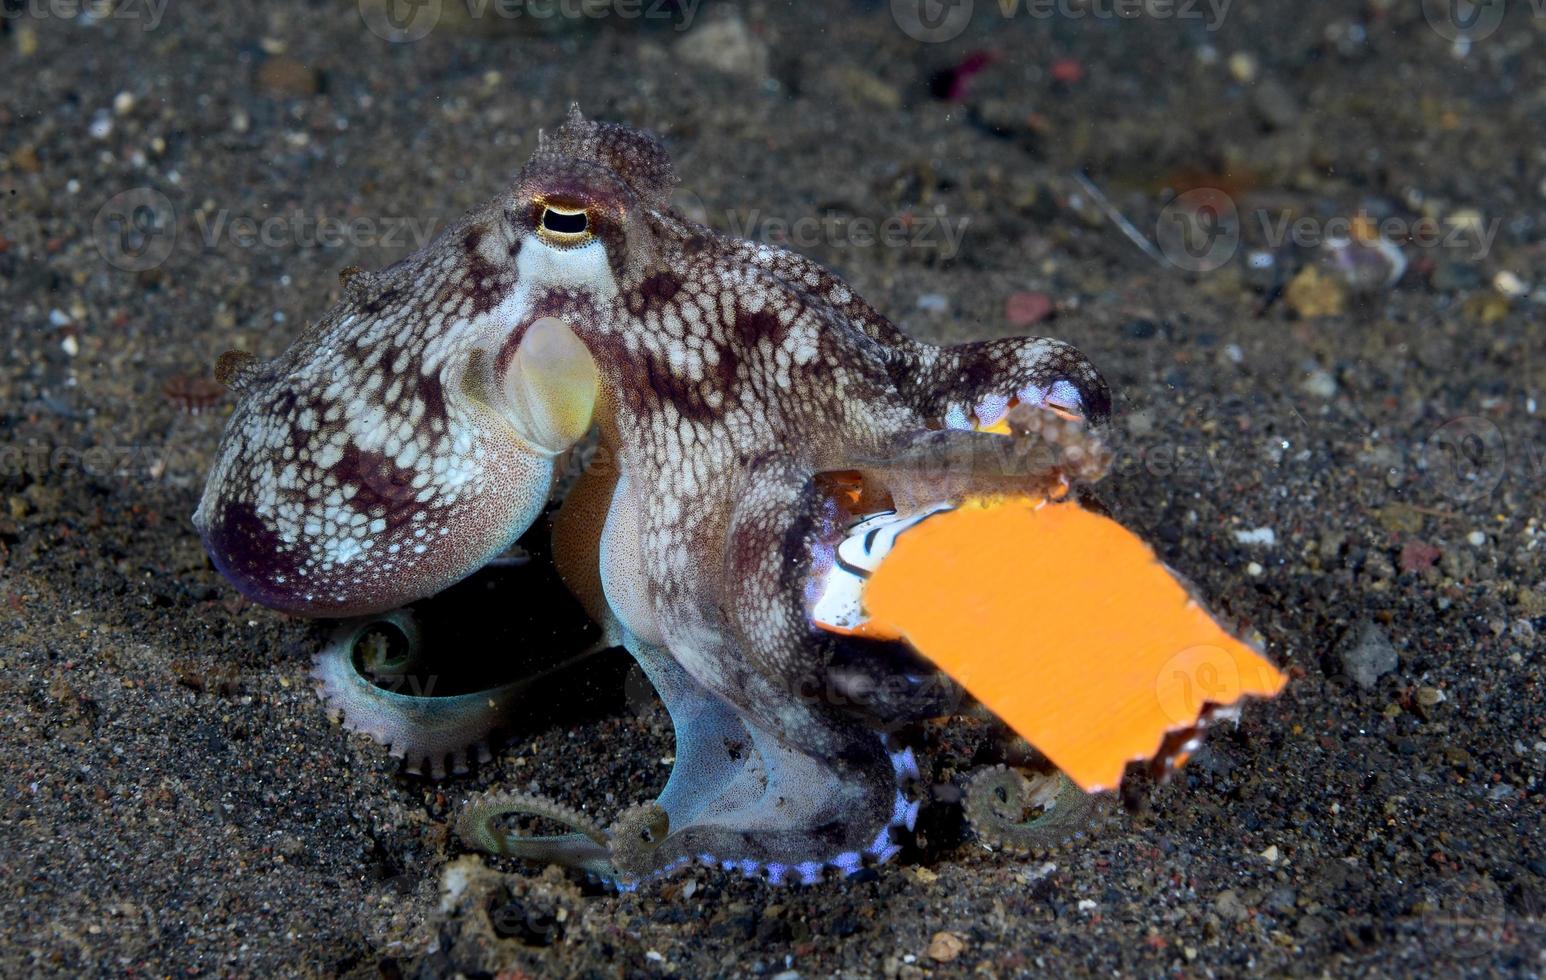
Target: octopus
x: 749, y: 408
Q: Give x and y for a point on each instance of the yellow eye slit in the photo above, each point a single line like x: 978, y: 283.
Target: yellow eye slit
x: 564, y: 226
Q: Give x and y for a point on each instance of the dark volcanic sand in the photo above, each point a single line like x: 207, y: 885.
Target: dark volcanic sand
x: 177, y: 802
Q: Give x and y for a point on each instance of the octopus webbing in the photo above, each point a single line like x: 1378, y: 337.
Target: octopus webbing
x: 751, y: 408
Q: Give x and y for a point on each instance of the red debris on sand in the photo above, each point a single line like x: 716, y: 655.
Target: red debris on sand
x: 1067, y: 71
x: 1418, y: 556
x: 951, y: 84
x: 192, y: 394
x: 1024, y: 309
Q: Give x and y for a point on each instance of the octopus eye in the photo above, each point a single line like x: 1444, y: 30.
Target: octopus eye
x: 562, y: 226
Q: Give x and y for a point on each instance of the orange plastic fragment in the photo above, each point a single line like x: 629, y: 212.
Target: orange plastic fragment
x: 1065, y: 625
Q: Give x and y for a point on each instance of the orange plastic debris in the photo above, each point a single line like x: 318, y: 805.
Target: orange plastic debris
x: 1065, y: 625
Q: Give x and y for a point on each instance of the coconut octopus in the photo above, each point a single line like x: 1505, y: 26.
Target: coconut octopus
x: 751, y: 409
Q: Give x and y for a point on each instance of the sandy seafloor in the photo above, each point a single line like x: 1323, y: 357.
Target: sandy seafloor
x: 176, y: 801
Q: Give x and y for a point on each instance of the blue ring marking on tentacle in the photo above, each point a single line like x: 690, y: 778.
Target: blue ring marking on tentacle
x: 883, y: 848
x: 1065, y: 393
x: 849, y: 862
x: 991, y: 408
x: 881, y: 842
x: 775, y: 873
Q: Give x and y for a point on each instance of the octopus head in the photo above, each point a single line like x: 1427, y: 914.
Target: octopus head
x: 410, y: 436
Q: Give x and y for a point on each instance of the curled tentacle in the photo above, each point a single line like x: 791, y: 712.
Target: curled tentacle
x: 369, y: 678
x: 998, y: 798
x: 585, y: 848
x: 1083, y: 455
x: 635, y: 836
